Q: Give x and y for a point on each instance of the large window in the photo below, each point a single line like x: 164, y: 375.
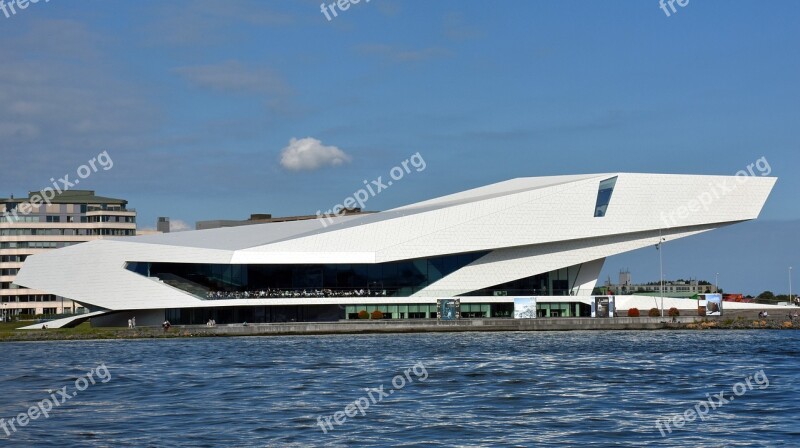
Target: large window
x: 554, y: 283
x: 604, y: 196
x: 394, y: 279
x: 398, y: 279
x: 34, y: 244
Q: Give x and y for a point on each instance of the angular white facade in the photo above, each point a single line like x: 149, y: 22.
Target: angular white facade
x: 515, y: 230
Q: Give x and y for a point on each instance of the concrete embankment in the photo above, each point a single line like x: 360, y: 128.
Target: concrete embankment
x: 390, y: 326
x: 416, y: 326
x: 551, y: 324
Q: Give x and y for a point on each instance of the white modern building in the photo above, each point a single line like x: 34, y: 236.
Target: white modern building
x: 545, y: 237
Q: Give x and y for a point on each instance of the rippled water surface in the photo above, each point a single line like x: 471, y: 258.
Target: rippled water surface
x: 479, y: 389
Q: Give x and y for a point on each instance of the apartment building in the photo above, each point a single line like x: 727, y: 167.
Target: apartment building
x: 30, y: 226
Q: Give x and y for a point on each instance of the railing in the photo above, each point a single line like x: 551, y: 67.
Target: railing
x: 349, y: 293
x: 183, y: 284
x: 226, y: 292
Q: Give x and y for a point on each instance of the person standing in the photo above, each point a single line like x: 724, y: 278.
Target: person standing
x: 130, y: 324
x: 133, y: 321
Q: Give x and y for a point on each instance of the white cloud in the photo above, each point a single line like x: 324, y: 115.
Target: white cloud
x: 308, y: 154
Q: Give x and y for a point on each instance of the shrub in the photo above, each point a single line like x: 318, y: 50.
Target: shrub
x: 654, y: 312
x: 377, y: 314
x: 633, y: 312
x: 363, y: 314
x: 701, y: 311
x: 673, y: 312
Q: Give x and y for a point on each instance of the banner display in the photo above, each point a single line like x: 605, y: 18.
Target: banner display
x: 524, y: 307
x: 713, y: 304
x: 603, y: 306
x: 448, y: 309
x: 702, y: 306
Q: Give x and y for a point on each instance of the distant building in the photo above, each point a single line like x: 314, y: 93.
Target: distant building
x: 29, y: 226
x: 266, y: 218
x: 677, y: 288
x: 163, y: 224
x: 625, y: 277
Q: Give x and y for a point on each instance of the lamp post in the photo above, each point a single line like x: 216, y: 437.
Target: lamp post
x: 790, y: 285
x: 716, y: 283
x: 660, y: 271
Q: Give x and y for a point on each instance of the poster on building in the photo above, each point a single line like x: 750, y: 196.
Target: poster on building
x: 603, y: 306
x: 713, y: 304
x: 448, y: 309
x: 702, y: 306
x: 524, y: 307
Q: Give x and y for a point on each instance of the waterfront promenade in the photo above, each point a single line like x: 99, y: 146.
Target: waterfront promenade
x: 355, y: 327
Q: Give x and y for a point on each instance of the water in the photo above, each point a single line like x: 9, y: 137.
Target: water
x: 480, y: 389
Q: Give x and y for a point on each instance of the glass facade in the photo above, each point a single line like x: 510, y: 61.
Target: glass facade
x: 395, y: 279
x: 403, y: 311
x: 554, y: 283
x: 428, y: 310
x: 325, y: 313
x: 254, y: 314
x: 604, y: 196
x: 563, y: 309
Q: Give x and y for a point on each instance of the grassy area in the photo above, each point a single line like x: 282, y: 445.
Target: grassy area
x: 9, y: 327
x: 10, y: 332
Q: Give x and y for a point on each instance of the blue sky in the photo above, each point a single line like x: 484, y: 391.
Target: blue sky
x: 196, y: 100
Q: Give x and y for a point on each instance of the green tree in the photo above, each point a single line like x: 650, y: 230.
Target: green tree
x: 766, y: 297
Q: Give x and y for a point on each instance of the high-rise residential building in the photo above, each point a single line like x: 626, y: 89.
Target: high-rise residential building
x: 30, y: 226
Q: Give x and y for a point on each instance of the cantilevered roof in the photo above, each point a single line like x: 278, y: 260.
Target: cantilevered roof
x: 243, y: 237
